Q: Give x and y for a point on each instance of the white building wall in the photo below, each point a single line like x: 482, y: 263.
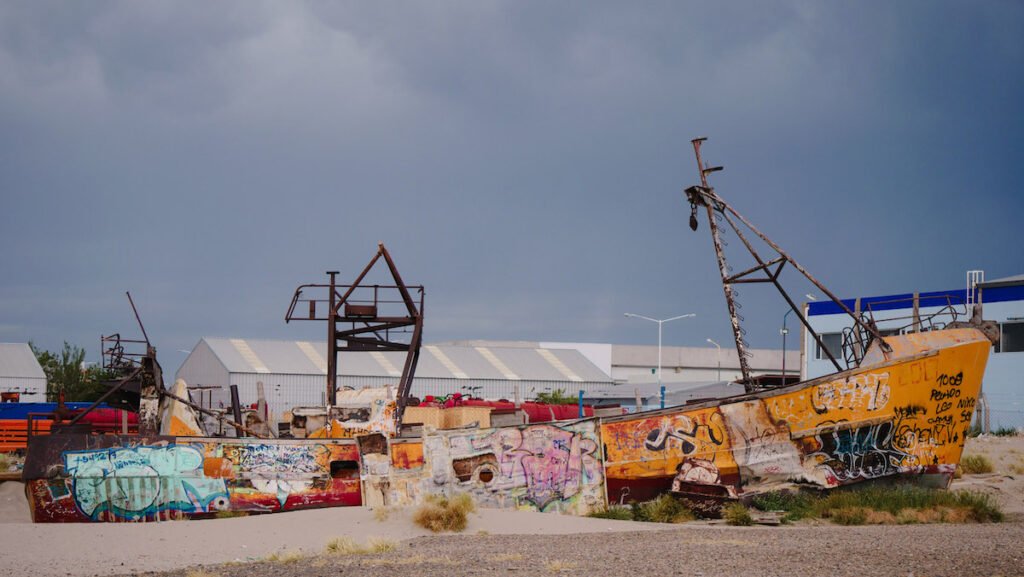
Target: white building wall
x: 32, y: 390
x: 1003, y: 384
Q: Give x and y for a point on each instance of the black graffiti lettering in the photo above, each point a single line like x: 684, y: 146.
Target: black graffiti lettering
x: 938, y: 395
x: 965, y: 403
x: 910, y: 411
x: 945, y: 380
x: 864, y: 452
x: 712, y: 432
x: 943, y: 407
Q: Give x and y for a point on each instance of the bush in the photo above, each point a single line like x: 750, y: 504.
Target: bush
x: 737, y: 514
x: 556, y: 397
x: 1006, y: 432
x: 900, y: 504
x: 442, y: 514
x: 618, y: 513
x: 667, y: 509
x: 973, y: 464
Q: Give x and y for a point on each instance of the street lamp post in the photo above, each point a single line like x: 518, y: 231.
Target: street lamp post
x: 660, y: 322
x: 719, y: 357
x: 785, y: 332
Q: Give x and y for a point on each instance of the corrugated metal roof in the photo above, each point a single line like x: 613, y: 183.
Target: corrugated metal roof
x: 436, y: 361
x: 17, y: 360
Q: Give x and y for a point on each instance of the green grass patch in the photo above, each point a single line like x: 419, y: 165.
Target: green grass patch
x: 617, y: 513
x: 974, y: 464
x: 737, y: 514
x: 1006, y: 432
x: 664, y: 509
x: 884, y: 505
x: 796, y: 504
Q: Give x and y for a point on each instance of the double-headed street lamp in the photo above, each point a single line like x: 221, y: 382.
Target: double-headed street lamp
x: 660, y: 322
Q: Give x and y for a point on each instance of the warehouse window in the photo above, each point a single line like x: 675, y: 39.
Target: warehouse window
x: 834, y: 344
x: 1011, y: 338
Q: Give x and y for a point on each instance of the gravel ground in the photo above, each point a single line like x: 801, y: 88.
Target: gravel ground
x: 700, y: 550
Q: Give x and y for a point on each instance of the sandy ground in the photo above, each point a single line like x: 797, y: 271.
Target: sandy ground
x: 1006, y: 481
x: 109, y: 549
x: 531, y: 542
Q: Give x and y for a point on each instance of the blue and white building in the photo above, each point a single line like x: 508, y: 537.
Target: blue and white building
x: 1003, y: 302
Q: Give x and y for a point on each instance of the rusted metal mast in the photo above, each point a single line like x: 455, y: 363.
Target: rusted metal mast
x: 379, y: 318
x: 704, y: 195
x: 730, y: 299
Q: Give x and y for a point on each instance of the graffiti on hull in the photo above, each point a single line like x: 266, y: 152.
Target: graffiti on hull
x: 550, y: 467
x: 162, y: 479
x: 142, y: 482
x: 908, y: 418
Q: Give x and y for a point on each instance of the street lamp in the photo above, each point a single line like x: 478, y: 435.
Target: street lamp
x: 785, y: 332
x: 660, y: 322
x: 719, y: 357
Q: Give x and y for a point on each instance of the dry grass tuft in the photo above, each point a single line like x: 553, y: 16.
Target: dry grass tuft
x: 201, y: 573
x: 380, y: 545
x: 975, y: 464
x: 286, y: 556
x: 381, y: 514
x: 344, y: 546
x: 348, y: 546
x: 441, y: 514
x: 506, y: 557
x: 557, y: 566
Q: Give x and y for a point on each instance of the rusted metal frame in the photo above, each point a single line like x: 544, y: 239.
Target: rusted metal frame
x: 332, y: 344
x: 376, y: 344
x: 778, y: 286
x: 351, y: 333
x: 763, y: 266
x: 409, y: 303
x: 295, y: 300
x: 778, y: 271
x: 107, y: 394
x: 411, y: 360
x: 352, y: 287
x: 722, y: 268
x: 137, y: 319
x: 213, y: 414
x: 874, y: 332
x: 392, y: 322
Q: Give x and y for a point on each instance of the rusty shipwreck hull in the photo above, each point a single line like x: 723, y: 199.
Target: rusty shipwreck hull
x: 107, y: 478
x: 903, y: 414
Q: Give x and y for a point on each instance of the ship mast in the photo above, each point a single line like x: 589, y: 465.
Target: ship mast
x: 704, y: 195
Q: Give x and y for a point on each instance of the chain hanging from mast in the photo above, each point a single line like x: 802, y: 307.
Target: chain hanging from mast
x: 704, y: 195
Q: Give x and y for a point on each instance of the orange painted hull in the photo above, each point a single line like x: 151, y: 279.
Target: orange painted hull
x: 902, y: 416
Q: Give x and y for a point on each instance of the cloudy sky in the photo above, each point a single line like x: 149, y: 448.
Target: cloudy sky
x: 524, y: 161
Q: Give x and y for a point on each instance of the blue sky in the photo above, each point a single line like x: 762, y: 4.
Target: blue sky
x: 524, y: 161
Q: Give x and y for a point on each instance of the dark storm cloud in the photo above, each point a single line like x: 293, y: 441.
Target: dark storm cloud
x: 524, y: 161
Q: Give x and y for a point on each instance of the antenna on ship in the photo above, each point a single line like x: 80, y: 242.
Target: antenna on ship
x: 705, y: 195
